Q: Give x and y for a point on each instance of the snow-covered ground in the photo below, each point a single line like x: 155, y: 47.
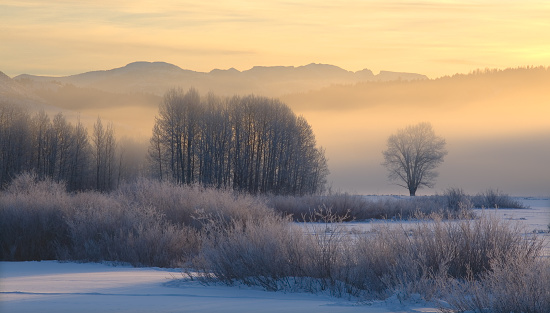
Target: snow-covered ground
x: 52, y: 286
x: 535, y: 219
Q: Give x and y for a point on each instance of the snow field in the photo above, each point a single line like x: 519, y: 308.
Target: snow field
x: 51, y: 286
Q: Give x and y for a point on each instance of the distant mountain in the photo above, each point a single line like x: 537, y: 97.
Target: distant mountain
x: 14, y: 92
x: 129, y: 96
x: 523, y: 85
x: 156, y: 77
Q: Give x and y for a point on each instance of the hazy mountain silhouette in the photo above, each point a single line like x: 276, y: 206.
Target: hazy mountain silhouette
x: 526, y: 86
x: 157, y: 77
x: 14, y: 92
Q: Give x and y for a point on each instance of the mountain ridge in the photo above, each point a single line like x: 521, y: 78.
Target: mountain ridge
x: 157, y: 77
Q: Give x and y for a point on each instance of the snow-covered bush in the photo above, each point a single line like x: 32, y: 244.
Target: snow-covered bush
x: 189, y: 204
x: 105, y: 227
x: 143, y: 223
x: 303, y: 208
x: 514, y: 285
x: 494, y: 198
x: 33, y: 219
x: 232, y: 237
x: 275, y: 254
x: 255, y: 252
x: 355, y: 207
x: 457, y: 200
x: 443, y: 251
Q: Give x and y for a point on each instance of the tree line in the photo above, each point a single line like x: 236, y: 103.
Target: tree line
x: 56, y: 149
x: 251, y: 143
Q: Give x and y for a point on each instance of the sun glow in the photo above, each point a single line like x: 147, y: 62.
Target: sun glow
x: 435, y: 38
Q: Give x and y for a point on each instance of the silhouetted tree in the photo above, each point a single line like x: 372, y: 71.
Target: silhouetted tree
x: 81, y: 158
x: 15, y: 139
x: 104, y: 146
x: 251, y: 143
x: 412, y: 155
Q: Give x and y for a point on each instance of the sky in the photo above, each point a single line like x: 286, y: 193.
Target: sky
x: 435, y: 38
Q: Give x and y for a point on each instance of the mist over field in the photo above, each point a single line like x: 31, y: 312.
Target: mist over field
x: 495, y: 124
x: 494, y: 121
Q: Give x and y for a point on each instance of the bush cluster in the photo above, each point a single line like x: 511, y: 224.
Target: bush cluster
x: 482, y: 265
x: 514, y: 285
x: 452, y: 203
x: 421, y: 259
x: 145, y: 223
x: 494, y: 198
x: 356, y: 207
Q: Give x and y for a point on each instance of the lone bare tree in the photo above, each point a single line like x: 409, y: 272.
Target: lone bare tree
x: 412, y: 155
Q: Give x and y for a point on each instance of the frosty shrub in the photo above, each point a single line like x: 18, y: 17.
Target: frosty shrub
x: 303, y: 208
x: 104, y: 227
x: 457, y: 200
x: 146, y: 222
x: 421, y: 257
x: 188, y: 204
x: 355, y: 207
x: 425, y: 256
x: 517, y: 285
x: 445, y: 250
x: 275, y: 254
x: 255, y: 252
x: 32, y: 219
x: 484, y: 264
x: 496, y: 199
x: 39, y: 220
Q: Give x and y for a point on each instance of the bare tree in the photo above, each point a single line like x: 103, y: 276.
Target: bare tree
x: 52, y: 149
x: 253, y: 144
x: 104, y: 146
x: 15, y: 135
x: 412, y: 155
x: 80, y: 159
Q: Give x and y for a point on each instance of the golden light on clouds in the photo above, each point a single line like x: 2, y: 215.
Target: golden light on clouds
x: 435, y: 38
x: 493, y: 136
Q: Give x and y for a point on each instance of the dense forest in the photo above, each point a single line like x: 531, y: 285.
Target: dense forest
x: 251, y: 144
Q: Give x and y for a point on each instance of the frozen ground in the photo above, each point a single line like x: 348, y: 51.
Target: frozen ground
x: 535, y: 219
x: 73, y: 287
x: 51, y: 286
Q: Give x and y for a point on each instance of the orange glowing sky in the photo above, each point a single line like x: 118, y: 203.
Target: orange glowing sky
x: 493, y: 142
x: 436, y: 38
